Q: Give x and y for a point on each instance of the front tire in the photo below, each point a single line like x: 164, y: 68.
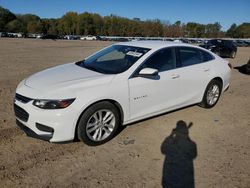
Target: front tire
x: 98, y: 124
x: 212, y: 94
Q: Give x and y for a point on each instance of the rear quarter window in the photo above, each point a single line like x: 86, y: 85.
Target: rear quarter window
x: 189, y: 56
x: 206, y: 56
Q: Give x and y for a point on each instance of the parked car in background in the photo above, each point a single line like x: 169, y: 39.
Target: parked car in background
x: 223, y: 48
x: 118, y: 85
x: 120, y: 39
x: 71, y: 37
x: 240, y: 43
x: 247, y: 42
x: 178, y: 40
x: 10, y: 35
x: 4, y: 34
x: 47, y: 36
x: 15, y: 35
x: 88, y: 37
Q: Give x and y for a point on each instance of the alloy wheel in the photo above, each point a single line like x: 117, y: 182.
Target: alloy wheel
x: 213, y: 94
x: 100, y: 125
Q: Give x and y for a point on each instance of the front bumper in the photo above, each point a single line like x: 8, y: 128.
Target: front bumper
x: 51, y: 125
x: 29, y: 132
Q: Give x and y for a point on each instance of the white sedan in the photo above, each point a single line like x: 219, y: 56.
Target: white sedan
x: 89, y: 37
x: 120, y: 84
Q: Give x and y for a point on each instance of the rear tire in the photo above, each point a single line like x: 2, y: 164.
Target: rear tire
x: 212, y: 94
x: 98, y: 124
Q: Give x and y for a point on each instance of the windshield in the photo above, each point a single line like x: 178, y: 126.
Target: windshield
x: 114, y: 59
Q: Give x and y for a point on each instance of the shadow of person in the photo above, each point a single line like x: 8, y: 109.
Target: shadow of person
x: 180, y: 151
x: 244, y: 69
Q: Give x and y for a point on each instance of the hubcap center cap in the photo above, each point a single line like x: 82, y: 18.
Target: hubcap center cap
x: 101, y: 125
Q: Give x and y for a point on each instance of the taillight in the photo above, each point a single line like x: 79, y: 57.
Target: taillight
x: 230, y: 65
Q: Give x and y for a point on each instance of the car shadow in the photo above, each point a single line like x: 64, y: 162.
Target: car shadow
x: 179, y: 151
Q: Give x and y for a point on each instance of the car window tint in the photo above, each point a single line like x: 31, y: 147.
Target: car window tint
x: 162, y: 60
x: 229, y: 43
x: 189, y: 56
x: 113, y: 55
x: 206, y: 56
x: 114, y: 59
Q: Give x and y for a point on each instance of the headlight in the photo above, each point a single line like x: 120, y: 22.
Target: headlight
x: 52, y: 104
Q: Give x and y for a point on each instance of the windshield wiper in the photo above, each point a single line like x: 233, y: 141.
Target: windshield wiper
x: 93, y: 69
x: 82, y: 64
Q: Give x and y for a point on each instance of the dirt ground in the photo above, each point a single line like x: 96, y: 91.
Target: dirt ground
x: 213, y: 152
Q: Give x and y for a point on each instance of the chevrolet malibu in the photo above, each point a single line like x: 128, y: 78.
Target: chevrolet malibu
x: 120, y: 84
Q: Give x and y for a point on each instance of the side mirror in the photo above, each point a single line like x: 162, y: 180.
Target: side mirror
x: 148, y: 72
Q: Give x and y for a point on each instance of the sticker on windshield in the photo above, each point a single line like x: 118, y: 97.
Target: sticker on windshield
x: 135, y: 54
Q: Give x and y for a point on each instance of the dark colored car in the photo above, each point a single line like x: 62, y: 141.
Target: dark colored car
x: 240, y: 43
x: 48, y: 36
x: 3, y: 34
x: 223, y: 48
x: 248, y: 43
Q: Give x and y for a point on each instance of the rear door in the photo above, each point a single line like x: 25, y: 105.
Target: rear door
x: 195, y: 72
x: 184, y: 73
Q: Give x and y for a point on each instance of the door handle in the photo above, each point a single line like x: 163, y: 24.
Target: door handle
x: 175, y: 76
x: 206, y: 69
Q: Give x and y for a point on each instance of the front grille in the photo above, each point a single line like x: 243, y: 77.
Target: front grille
x: 22, y: 98
x: 21, y: 113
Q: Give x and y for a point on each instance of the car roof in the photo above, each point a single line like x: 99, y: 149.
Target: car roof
x: 154, y: 44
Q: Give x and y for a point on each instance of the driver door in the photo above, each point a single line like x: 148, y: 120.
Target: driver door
x: 152, y: 94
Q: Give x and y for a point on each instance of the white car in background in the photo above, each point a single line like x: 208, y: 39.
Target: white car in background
x: 120, y: 84
x: 88, y: 37
x: 177, y: 40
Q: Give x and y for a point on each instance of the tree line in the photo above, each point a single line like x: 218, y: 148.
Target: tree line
x: 86, y: 23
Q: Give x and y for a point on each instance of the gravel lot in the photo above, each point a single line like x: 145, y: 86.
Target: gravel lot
x: 213, y: 152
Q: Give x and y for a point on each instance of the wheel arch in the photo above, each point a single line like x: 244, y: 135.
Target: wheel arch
x: 220, y: 80
x: 114, y: 102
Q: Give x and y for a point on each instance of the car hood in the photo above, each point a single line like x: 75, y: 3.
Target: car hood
x: 66, y: 76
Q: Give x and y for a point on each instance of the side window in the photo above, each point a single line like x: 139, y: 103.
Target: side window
x: 206, y: 56
x: 189, y: 56
x: 162, y: 60
x: 227, y: 43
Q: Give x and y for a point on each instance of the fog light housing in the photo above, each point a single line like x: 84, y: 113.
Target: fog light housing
x: 44, y: 128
